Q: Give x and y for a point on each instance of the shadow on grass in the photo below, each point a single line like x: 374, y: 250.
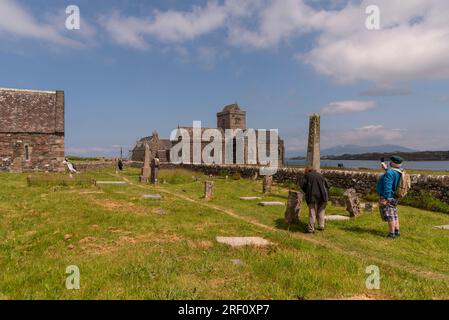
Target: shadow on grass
x: 361, y: 230
x: 299, y: 227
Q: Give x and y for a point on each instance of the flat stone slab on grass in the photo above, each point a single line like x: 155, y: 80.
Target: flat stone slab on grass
x: 111, y: 182
x: 250, y: 198
x: 442, y: 227
x: 271, y: 204
x: 337, y: 218
x: 236, y: 242
x: 152, y: 196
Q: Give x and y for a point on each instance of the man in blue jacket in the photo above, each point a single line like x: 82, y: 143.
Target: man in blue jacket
x: 388, y: 201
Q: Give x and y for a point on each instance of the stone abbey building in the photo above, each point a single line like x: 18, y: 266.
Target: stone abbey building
x: 31, y: 130
x: 231, y: 117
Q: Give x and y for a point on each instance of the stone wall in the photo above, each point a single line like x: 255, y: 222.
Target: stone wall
x: 29, y: 152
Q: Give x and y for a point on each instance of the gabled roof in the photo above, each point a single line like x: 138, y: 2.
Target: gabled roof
x: 31, y: 111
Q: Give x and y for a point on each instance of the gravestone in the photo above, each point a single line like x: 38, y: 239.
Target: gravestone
x: 352, y: 203
x: 338, y: 201
x: 336, y: 217
x: 155, y: 170
x: 145, y: 173
x: 243, y: 241
x: 271, y: 204
x: 293, y: 207
x: 442, y: 227
x: 111, y: 182
x: 152, y: 196
x: 208, y: 189
x: 313, y: 146
x: 267, y: 184
x: 369, y: 207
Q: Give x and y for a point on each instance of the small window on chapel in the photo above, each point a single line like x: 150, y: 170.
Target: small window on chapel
x: 27, y: 153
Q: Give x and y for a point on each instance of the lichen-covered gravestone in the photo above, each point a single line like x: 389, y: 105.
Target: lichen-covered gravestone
x: 352, y: 203
x: 369, y: 207
x: 208, y: 189
x: 267, y: 184
x: 293, y: 207
x: 155, y: 170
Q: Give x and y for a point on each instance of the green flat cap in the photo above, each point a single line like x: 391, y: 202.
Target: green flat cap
x: 396, y: 159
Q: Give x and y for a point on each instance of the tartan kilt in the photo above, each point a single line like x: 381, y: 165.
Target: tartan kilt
x: 389, y: 211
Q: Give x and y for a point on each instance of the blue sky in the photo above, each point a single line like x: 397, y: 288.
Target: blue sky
x: 139, y: 66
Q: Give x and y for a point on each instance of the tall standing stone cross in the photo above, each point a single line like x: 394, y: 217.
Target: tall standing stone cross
x: 145, y: 173
x: 313, y: 147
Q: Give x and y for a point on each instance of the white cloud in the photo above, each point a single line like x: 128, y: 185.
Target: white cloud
x: 348, y: 106
x: 17, y: 22
x: 169, y: 26
x: 412, y: 44
x: 387, y: 90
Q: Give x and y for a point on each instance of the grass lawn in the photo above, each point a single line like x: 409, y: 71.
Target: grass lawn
x: 128, y: 247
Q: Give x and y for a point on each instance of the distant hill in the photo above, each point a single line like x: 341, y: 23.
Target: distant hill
x: 355, y: 149
x: 408, y: 156
x: 351, y: 149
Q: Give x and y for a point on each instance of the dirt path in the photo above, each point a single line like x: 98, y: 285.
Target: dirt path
x: 406, y: 267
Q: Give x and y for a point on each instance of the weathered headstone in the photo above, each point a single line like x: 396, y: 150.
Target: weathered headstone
x: 111, y: 182
x: 145, y: 173
x: 369, y: 207
x: 336, y: 217
x: 293, y: 207
x: 352, y: 203
x: 442, y: 227
x: 338, y: 201
x: 250, y: 198
x: 267, y: 184
x: 155, y: 170
x: 271, y: 204
x: 152, y: 196
x: 243, y: 241
x: 313, y: 147
x: 208, y: 189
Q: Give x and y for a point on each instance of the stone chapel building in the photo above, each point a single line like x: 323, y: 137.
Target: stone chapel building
x: 231, y: 117
x: 31, y: 130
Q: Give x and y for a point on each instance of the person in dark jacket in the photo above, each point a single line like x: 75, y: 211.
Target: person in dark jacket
x: 316, y: 189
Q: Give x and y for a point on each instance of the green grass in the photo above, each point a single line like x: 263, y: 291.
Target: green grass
x: 128, y: 247
x: 426, y: 201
